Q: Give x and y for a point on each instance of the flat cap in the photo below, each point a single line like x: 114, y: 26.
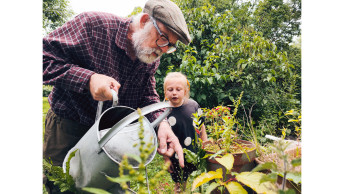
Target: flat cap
x: 170, y: 15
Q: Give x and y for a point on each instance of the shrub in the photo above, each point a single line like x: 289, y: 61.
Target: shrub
x: 46, y: 90
x: 223, y: 60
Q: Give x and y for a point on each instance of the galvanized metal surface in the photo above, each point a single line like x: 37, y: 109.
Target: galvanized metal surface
x: 114, y: 132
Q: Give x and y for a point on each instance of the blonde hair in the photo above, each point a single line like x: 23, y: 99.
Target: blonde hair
x: 178, y: 75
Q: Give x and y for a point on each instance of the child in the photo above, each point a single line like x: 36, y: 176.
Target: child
x: 176, y: 90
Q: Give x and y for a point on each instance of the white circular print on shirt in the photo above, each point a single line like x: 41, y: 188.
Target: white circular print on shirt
x: 176, y: 156
x: 172, y: 120
x: 187, y: 141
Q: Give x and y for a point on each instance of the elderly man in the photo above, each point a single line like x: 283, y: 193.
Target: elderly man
x: 96, y: 52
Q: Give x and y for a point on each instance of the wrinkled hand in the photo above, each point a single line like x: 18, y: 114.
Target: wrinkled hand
x: 100, y: 86
x: 166, y: 135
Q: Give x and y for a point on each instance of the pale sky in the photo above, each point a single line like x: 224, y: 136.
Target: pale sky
x: 117, y: 7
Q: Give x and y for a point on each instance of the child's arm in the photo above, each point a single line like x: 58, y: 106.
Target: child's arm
x: 203, y: 134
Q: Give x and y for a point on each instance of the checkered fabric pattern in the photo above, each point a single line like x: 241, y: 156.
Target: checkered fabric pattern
x: 94, y: 42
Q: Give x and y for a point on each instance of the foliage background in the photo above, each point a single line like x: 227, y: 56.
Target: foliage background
x: 322, y: 80
x: 242, y: 46
x: 237, y: 46
x: 55, y: 13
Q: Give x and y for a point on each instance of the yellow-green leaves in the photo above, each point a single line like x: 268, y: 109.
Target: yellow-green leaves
x: 252, y: 180
x: 212, y: 186
x: 206, y: 177
x: 235, y: 188
x: 227, y: 161
x: 95, y: 190
x: 190, y: 156
x: 121, y: 179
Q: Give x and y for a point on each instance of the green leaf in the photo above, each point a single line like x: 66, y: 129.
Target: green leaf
x: 216, y: 154
x: 206, y: 177
x: 190, y: 156
x: 212, y: 186
x: 227, y: 161
x: 69, y: 160
x: 294, y: 177
x: 210, y: 80
x: 235, y: 188
x: 289, y: 191
x: 252, y: 180
x: 296, y: 162
x: 272, y: 177
x: 203, y: 96
x: 95, y: 190
x: 265, y: 166
x: 122, y: 179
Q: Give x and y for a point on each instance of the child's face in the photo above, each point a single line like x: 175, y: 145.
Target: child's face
x: 175, y: 91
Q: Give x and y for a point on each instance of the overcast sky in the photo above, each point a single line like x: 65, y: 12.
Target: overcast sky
x: 118, y: 7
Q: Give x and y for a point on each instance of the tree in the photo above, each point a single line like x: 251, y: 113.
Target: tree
x: 55, y: 13
x: 227, y: 56
x: 278, y: 20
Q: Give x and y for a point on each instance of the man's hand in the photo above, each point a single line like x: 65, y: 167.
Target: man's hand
x: 100, y: 86
x: 166, y: 135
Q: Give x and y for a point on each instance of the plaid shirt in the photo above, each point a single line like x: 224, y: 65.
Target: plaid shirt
x: 94, y: 42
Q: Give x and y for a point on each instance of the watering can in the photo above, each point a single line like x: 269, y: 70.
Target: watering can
x: 114, y: 134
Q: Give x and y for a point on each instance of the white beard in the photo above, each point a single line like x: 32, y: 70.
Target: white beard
x: 144, y: 54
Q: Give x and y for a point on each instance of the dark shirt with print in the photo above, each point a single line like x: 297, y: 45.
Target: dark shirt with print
x: 181, y: 122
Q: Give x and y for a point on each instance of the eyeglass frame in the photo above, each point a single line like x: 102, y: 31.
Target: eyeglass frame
x: 172, y: 47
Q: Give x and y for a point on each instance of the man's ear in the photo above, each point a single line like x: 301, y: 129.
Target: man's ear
x: 144, y: 18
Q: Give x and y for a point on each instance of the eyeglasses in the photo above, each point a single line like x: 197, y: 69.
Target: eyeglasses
x: 163, y: 40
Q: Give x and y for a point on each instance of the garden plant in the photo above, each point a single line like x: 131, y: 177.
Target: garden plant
x: 244, y: 66
x: 251, y: 179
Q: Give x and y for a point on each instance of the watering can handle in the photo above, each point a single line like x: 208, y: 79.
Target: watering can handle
x: 134, y: 116
x: 100, y: 104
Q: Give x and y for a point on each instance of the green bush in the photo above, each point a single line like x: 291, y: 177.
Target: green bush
x: 225, y: 59
x: 47, y: 90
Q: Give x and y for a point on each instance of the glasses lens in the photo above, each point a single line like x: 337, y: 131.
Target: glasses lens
x: 162, y: 41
